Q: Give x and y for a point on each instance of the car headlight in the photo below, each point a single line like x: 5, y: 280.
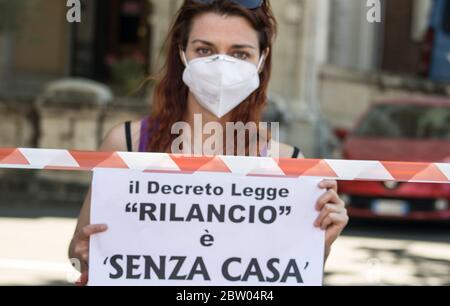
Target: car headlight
x: 391, y: 185
x: 346, y: 198
x: 441, y: 204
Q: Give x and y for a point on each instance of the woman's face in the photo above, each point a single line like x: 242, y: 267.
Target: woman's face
x: 213, y: 34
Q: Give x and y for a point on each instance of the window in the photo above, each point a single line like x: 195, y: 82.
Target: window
x: 130, y: 17
x: 406, y: 122
x: 446, y: 17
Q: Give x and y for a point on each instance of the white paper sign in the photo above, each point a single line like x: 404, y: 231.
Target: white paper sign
x: 204, y: 229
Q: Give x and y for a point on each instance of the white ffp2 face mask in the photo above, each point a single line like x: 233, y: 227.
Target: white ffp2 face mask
x: 221, y: 82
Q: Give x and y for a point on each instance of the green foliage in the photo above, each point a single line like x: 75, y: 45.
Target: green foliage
x: 128, y: 72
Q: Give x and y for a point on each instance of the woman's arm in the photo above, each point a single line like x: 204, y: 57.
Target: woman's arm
x: 79, y: 246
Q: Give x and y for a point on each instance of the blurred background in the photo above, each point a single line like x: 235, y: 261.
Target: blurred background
x: 343, y: 86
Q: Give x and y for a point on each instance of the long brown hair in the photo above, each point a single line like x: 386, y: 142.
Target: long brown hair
x: 171, y: 94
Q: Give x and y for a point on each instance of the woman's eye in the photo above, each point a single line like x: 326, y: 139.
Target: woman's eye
x: 204, y: 52
x: 241, y: 55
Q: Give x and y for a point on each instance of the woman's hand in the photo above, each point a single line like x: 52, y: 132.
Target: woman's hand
x: 80, y: 248
x: 333, y: 215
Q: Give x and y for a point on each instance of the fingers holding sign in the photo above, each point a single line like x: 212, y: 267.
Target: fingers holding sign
x: 80, y: 243
x: 333, y: 217
x: 83, y: 280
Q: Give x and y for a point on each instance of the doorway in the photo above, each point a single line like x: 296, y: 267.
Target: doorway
x: 111, y: 32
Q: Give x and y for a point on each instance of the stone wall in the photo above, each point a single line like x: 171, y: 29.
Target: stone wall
x: 17, y: 123
x: 28, y: 122
x: 41, y: 44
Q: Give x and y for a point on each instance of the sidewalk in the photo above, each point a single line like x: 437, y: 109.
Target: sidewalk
x: 34, y: 252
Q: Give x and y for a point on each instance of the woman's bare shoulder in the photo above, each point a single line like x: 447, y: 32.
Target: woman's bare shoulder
x: 115, y: 139
x: 285, y: 150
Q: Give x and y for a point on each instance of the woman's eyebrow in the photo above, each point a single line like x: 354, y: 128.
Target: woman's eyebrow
x: 243, y: 47
x: 203, y: 42
x: 237, y: 46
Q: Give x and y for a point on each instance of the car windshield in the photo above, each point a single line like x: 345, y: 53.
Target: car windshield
x: 406, y: 121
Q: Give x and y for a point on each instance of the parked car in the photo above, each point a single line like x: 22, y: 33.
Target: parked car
x: 407, y: 129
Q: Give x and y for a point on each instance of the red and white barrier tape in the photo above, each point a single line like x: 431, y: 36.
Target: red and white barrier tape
x: 20, y: 158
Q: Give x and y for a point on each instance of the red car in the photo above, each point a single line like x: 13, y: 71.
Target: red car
x: 413, y: 129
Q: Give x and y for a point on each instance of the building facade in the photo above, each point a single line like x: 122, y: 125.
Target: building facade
x: 47, y: 47
x: 329, y: 61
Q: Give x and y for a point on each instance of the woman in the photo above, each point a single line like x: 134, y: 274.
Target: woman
x: 218, y: 65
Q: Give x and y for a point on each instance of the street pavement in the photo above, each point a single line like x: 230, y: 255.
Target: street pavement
x: 33, y: 251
